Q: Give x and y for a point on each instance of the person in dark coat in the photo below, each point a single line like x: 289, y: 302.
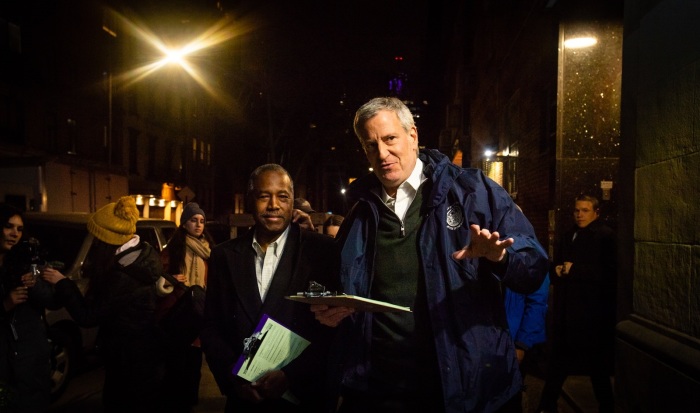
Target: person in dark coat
x: 249, y: 277
x: 584, y: 308
x: 121, y: 299
x: 185, y: 258
x: 25, y: 369
x: 444, y: 241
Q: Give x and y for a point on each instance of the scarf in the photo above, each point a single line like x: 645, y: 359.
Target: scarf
x: 196, y: 253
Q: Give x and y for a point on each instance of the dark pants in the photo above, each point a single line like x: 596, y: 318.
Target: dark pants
x: 602, y: 388
x: 529, y: 365
x: 236, y: 405
x: 514, y: 405
x: 360, y: 402
x: 559, y: 369
x: 183, y: 377
x: 31, y: 374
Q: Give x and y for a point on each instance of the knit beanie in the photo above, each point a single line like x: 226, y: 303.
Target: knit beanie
x: 115, y: 223
x: 191, y: 210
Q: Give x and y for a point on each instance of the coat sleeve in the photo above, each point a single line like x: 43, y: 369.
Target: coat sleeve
x: 71, y: 297
x: 96, y: 305
x: 527, y: 261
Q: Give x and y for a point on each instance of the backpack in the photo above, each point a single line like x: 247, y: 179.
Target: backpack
x: 180, y: 314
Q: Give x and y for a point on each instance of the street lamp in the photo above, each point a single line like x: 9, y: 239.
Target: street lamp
x: 218, y: 33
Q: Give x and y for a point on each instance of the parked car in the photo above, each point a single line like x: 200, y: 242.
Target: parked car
x: 65, y: 242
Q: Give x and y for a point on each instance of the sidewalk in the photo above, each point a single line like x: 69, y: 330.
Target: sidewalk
x: 577, y: 395
x: 84, y: 395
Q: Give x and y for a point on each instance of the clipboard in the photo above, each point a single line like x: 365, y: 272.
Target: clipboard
x: 352, y: 301
x: 270, y: 347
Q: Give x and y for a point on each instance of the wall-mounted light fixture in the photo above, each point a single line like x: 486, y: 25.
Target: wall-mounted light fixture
x: 580, y: 42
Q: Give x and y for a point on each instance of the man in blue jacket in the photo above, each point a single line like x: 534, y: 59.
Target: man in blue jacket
x: 444, y: 241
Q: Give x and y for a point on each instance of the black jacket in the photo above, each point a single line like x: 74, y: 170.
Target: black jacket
x: 233, y: 308
x: 584, y: 299
x: 130, y: 343
x: 25, y: 348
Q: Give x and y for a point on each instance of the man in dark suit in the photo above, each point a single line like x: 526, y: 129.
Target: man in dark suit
x: 583, y: 327
x: 248, y: 277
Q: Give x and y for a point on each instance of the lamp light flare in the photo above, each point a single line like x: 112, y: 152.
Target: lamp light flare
x: 174, y: 56
x: 220, y: 32
x: 580, y: 42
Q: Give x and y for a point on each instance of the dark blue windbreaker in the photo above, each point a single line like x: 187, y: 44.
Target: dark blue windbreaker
x: 476, y: 356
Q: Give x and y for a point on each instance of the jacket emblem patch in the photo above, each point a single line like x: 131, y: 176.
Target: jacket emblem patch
x: 455, y: 216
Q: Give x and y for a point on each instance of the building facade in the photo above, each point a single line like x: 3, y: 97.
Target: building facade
x: 84, y: 117
x: 616, y: 120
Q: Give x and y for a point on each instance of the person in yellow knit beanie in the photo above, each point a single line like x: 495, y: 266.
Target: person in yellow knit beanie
x: 120, y: 299
x: 115, y: 223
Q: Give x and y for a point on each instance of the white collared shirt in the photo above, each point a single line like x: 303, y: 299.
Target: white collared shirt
x: 266, y: 262
x: 406, y: 192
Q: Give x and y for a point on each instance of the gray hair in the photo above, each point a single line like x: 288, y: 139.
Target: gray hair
x: 374, y: 106
x: 268, y: 167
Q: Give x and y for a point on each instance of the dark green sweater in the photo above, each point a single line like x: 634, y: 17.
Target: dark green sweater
x: 402, y: 349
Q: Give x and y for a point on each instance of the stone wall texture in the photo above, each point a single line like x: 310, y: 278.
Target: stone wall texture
x: 658, y: 341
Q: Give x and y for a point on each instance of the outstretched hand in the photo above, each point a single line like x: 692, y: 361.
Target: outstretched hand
x: 52, y: 275
x: 484, y: 244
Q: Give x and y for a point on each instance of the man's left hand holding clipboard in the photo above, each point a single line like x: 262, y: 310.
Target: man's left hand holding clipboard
x: 271, y: 347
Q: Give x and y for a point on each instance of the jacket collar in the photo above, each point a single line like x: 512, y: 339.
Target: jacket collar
x: 437, y: 168
x: 245, y: 279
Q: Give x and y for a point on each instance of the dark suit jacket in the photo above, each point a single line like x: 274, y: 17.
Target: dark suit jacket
x: 233, y: 307
x: 584, y: 299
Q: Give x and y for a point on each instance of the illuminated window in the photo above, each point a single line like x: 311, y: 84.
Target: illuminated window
x: 493, y: 169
